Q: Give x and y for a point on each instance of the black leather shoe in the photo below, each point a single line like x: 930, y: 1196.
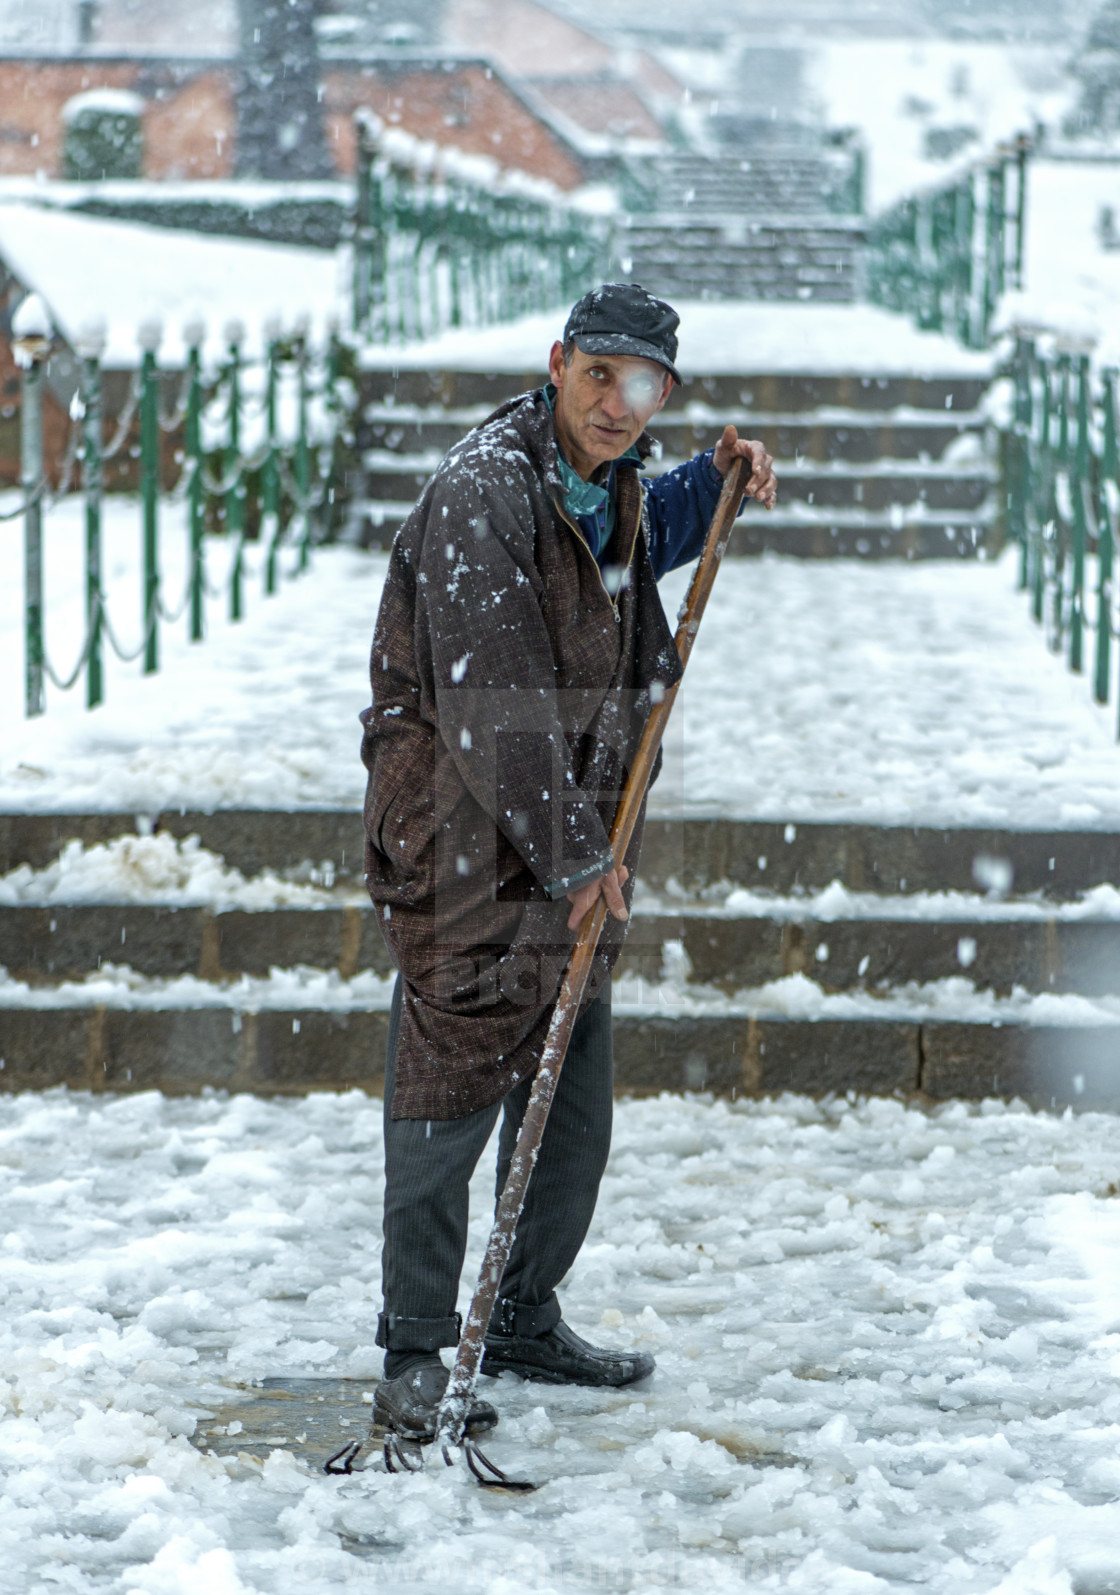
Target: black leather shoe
x: 560, y: 1357
x: 408, y: 1404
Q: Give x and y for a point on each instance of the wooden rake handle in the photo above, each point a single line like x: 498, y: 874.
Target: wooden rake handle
x: 464, y: 1375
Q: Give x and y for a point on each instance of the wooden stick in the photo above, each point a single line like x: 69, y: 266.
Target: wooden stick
x: 464, y: 1375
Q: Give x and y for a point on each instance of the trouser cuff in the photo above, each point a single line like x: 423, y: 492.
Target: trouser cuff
x: 525, y: 1323
x: 417, y: 1334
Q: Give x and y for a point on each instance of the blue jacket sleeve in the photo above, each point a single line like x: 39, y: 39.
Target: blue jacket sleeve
x: 680, y: 510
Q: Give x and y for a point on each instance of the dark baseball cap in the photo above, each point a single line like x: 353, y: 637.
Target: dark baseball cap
x: 622, y: 318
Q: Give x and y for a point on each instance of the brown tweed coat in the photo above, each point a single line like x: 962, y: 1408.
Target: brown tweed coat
x: 509, y: 691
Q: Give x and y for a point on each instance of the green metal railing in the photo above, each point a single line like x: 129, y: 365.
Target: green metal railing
x: 1062, y: 482
x: 446, y: 240
x: 946, y: 256
x: 289, y: 486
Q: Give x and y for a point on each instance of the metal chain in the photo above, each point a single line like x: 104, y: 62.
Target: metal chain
x: 171, y: 420
x: 26, y: 504
x: 302, y: 503
x: 124, y: 421
x: 220, y: 486
x: 71, y: 679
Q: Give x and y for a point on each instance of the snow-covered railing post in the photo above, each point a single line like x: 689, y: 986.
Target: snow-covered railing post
x: 31, y: 342
x: 194, y: 332
x: 235, y: 473
x: 151, y: 334
x: 90, y: 347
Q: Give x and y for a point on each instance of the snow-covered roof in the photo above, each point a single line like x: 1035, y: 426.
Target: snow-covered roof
x: 85, y: 268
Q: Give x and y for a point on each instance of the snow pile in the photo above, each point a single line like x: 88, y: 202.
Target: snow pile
x: 837, y: 902
x: 157, y: 869
x: 886, y: 1347
x: 120, y: 986
x: 129, y: 273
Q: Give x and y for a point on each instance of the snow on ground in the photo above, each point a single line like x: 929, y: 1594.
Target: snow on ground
x: 887, y: 1348
x: 887, y: 693
x: 730, y: 337
x: 125, y: 273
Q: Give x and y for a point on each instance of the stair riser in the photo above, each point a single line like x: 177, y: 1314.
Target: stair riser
x: 688, y: 282
x: 48, y: 945
x: 881, y: 492
x: 752, y: 536
x: 185, y: 1051
x: 852, y: 441
x: 773, y: 392
x: 966, y: 540
x: 762, y: 855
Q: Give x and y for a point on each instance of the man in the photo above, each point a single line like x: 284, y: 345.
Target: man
x: 519, y: 644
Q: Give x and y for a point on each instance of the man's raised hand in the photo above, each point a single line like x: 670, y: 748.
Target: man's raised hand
x: 763, y: 484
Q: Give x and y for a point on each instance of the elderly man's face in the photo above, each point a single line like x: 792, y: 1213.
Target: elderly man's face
x: 603, y: 403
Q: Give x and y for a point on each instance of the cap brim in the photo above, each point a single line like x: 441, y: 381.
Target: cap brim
x: 623, y: 343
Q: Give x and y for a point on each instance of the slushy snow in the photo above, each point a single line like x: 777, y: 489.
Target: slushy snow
x: 887, y: 1346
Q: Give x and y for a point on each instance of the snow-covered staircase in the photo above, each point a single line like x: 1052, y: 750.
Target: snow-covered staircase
x: 762, y: 957
x: 781, y: 222
x: 870, y: 466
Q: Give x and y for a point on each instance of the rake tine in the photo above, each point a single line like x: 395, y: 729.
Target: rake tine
x: 343, y: 1461
x: 396, y: 1458
x: 486, y: 1472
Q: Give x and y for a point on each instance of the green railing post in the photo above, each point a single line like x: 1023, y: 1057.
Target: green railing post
x: 1019, y: 445
x: 994, y: 245
x: 1022, y: 163
x: 91, y: 346
x: 150, y: 337
x: 1110, y: 473
x: 1079, y: 486
x: 1058, y: 609
x: 31, y: 341
x: 235, y: 475
x: 303, y: 448
x: 194, y: 333
x: 270, y: 474
x: 363, y: 227
x: 1045, y: 487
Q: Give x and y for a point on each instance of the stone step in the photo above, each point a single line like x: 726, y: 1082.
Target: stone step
x: 799, y: 531
x: 49, y: 944
x: 690, y: 854
x: 915, y: 531
x: 394, y: 473
x: 861, y: 436
x: 782, y: 392
x: 736, y: 257
x: 183, y: 1051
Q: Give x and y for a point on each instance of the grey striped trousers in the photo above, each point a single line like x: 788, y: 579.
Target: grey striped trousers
x: 428, y: 1166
